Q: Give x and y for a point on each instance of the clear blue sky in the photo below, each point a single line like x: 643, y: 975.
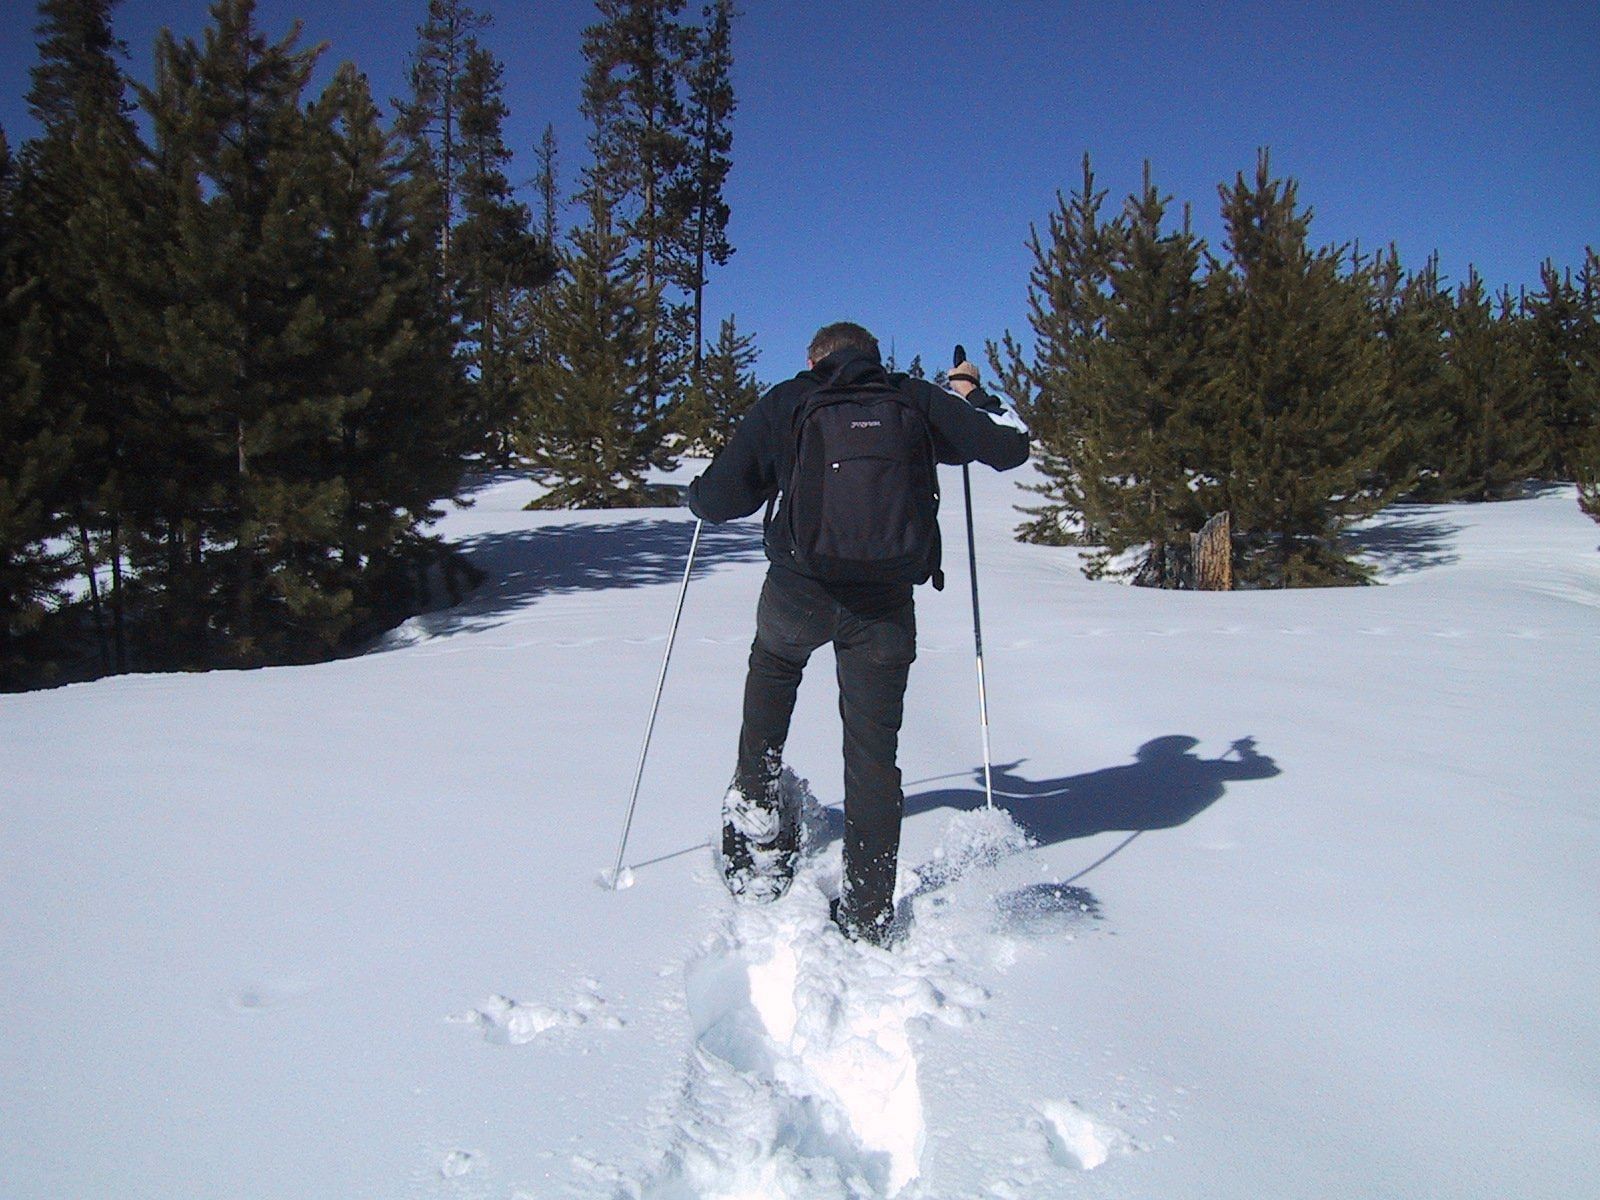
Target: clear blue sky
x: 890, y: 157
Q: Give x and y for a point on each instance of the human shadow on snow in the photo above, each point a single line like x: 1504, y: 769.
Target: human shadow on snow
x: 522, y: 565
x: 1165, y: 786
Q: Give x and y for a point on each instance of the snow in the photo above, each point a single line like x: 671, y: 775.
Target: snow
x: 1289, y: 894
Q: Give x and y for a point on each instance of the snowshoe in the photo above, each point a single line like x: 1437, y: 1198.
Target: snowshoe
x: 760, y: 843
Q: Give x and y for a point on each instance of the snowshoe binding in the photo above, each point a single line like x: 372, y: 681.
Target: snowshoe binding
x: 760, y: 840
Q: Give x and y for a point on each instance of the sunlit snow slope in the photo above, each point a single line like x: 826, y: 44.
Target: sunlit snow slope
x: 1290, y: 895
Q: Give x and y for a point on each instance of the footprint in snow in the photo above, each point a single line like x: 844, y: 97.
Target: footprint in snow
x: 819, y: 1031
x: 802, y: 1077
x: 1078, y: 1140
x: 508, y: 1022
x: 268, y: 995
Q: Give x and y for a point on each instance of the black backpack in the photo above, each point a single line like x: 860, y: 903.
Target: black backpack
x: 861, y: 504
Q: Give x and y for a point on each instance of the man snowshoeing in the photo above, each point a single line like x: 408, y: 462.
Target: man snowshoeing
x: 844, y: 455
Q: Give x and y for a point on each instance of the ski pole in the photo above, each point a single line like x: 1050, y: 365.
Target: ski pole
x: 977, y: 638
x: 977, y: 623
x: 618, y: 880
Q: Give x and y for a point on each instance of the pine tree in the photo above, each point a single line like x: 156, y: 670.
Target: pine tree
x: 1588, y: 473
x: 388, y: 361
x: 726, y: 390
x: 1297, y: 386
x: 499, y: 258
x: 35, y: 450
x: 1411, y: 315
x: 244, y: 339
x: 1066, y: 310
x: 1144, y: 476
x: 1566, y: 409
x: 636, y: 57
x: 429, y: 119
x: 698, y: 193
x: 1585, y: 382
x: 592, y: 426
x: 548, y: 184
x: 1494, y: 439
x: 82, y: 198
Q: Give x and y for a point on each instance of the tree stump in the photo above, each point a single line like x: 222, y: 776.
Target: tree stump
x: 1212, y: 553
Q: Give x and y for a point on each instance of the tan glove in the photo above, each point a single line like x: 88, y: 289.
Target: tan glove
x: 963, y: 377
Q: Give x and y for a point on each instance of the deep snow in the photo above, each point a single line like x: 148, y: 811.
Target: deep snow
x: 1291, y: 895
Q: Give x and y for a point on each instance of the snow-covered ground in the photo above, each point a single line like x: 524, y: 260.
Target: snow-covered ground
x: 1291, y: 895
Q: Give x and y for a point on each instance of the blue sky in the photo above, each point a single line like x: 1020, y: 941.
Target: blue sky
x: 889, y: 158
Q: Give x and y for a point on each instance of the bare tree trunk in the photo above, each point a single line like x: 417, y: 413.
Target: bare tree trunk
x: 86, y: 552
x: 118, y: 626
x: 1212, y: 552
x: 700, y: 257
x: 242, y: 568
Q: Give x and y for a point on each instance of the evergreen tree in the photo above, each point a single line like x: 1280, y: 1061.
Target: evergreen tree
x: 35, y: 449
x: 1588, y: 473
x: 245, y: 339
x: 726, y: 390
x: 1585, y: 382
x: 1066, y: 310
x: 636, y: 57
x: 592, y: 425
x: 1566, y: 407
x: 548, y: 184
x: 429, y: 119
x: 1589, y: 478
x: 81, y: 199
x: 1297, y: 386
x: 499, y: 258
x: 1494, y: 439
x: 488, y: 255
x: 388, y: 364
x: 1411, y: 315
x: 698, y: 192
x: 1144, y: 474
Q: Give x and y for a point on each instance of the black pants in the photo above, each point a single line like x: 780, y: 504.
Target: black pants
x: 874, y: 636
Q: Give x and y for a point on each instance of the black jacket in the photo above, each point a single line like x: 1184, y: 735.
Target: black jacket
x: 752, y: 468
